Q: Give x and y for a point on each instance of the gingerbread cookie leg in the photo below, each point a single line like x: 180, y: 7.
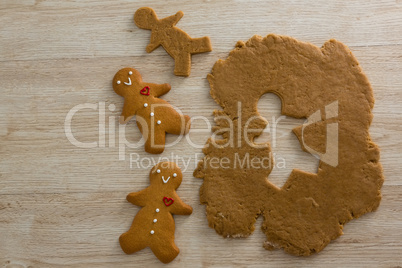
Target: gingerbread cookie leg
x: 155, y: 140
x: 130, y: 242
x: 153, y: 134
x: 166, y: 251
x: 200, y: 45
x: 182, y: 64
x: 178, y: 124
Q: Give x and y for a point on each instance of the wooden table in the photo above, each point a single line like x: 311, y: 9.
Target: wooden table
x: 62, y: 205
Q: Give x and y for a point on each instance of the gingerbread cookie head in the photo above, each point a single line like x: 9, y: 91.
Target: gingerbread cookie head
x: 145, y: 18
x: 167, y: 175
x: 124, y: 80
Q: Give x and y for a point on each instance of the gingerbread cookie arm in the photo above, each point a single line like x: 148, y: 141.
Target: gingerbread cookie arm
x: 179, y: 207
x: 127, y: 113
x: 154, y: 43
x: 159, y: 89
x: 172, y: 20
x: 138, y: 198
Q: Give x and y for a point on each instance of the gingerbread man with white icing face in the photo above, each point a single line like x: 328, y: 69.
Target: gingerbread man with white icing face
x: 155, y: 117
x: 154, y: 226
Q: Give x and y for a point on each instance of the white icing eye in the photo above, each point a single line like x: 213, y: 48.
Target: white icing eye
x: 152, y: 231
x: 174, y: 175
x: 130, y: 72
x: 157, y: 210
x: 145, y: 104
x: 158, y: 171
x: 118, y: 82
x: 159, y: 122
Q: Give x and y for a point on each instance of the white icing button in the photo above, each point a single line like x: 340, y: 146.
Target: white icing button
x: 158, y: 171
x: 157, y: 210
x: 155, y: 220
x: 152, y: 114
x: 159, y: 122
x: 130, y: 72
x: 174, y: 175
x: 118, y: 82
x: 152, y: 231
x: 145, y: 104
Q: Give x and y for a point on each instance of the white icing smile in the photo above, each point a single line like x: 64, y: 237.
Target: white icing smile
x: 129, y: 82
x: 165, y: 181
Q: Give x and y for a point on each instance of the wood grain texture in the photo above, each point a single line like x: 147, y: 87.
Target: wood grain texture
x: 61, y: 205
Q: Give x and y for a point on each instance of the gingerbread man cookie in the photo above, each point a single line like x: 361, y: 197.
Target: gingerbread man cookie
x: 154, y: 226
x: 325, y: 85
x: 155, y: 117
x: 177, y: 43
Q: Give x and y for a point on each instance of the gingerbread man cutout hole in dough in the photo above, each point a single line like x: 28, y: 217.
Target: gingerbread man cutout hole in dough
x: 286, y: 152
x: 154, y: 226
x: 155, y: 117
x: 177, y: 43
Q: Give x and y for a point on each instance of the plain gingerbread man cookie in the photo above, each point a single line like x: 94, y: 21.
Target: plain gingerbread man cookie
x: 177, y: 43
x: 154, y: 226
x: 155, y: 117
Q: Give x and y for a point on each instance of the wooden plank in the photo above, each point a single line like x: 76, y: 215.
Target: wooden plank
x: 88, y: 29
x: 47, y: 230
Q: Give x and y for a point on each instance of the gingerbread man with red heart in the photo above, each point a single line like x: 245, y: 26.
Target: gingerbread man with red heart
x: 154, y: 226
x: 155, y: 117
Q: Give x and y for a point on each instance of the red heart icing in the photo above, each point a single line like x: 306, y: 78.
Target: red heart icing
x: 168, y: 201
x: 145, y: 91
